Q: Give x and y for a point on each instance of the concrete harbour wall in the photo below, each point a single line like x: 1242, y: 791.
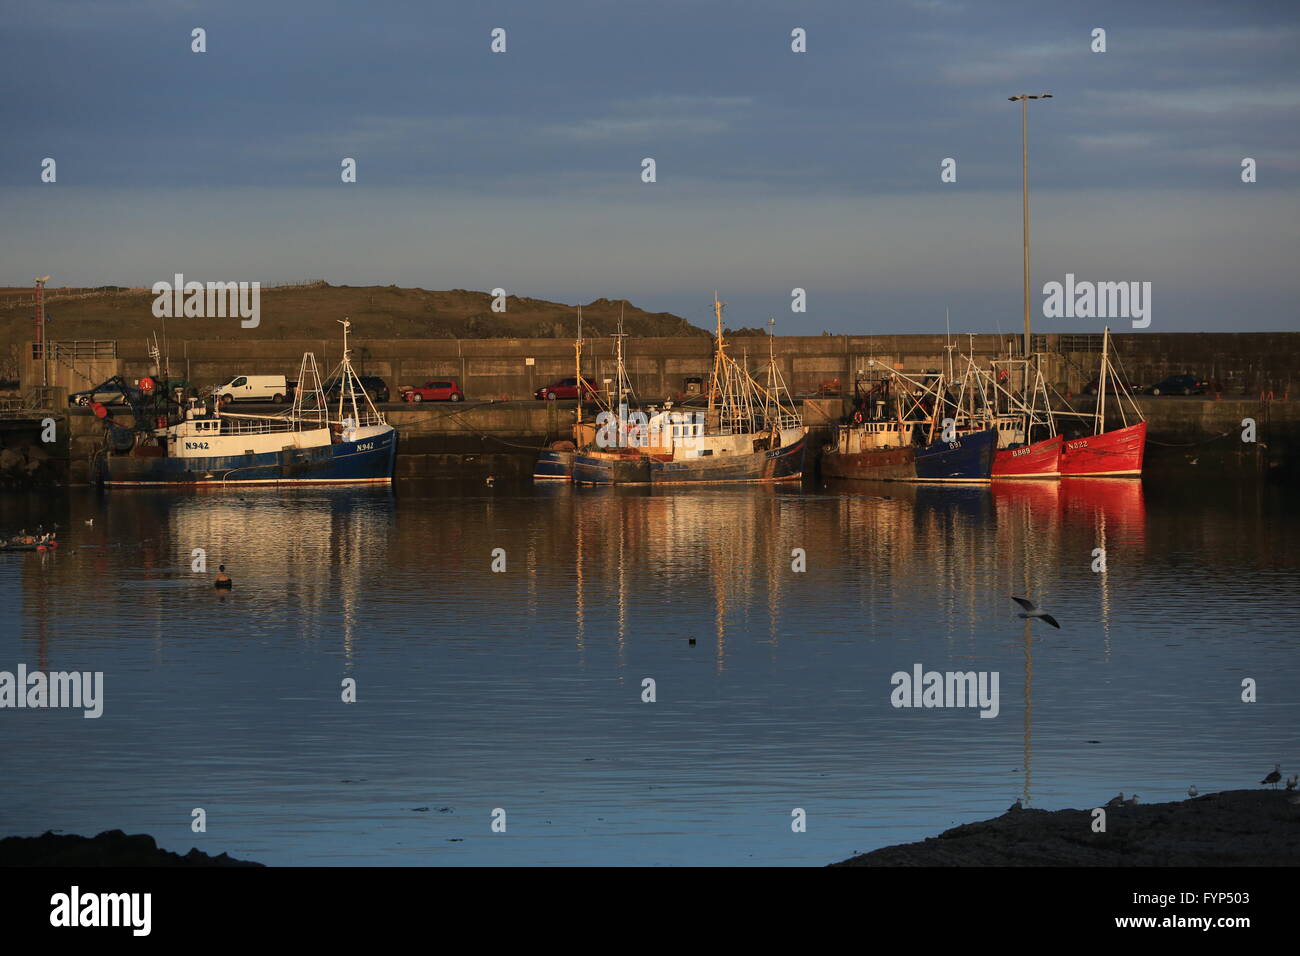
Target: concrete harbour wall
x: 1246, y: 364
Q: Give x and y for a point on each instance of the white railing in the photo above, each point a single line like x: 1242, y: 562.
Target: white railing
x: 234, y: 425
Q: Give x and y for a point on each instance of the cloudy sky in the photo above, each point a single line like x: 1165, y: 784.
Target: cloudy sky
x: 775, y: 169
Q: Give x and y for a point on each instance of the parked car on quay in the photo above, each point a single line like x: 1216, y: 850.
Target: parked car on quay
x: 565, y: 388
x: 444, y: 390
x: 254, y: 388
x: 1181, y: 385
x: 114, y: 391
x: 373, y: 385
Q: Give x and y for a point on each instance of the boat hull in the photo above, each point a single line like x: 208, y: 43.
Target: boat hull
x: 597, y: 468
x: 777, y: 464
x: 553, y: 465
x: 875, y: 464
x: 1042, y: 459
x: 367, y: 461
x: 1112, y: 454
x: 969, y: 458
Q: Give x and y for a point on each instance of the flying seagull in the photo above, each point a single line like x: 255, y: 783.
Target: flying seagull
x: 1275, y: 776
x: 1116, y: 801
x: 1031, y: 610
x: 1191, y: 791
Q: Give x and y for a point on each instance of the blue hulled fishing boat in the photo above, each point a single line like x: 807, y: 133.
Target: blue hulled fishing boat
x: 314, y: 443
x: 968, y: 457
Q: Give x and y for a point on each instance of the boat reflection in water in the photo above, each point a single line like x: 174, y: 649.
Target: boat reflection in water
x: 524, y: 687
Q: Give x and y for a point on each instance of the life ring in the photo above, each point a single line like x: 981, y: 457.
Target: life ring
x: 857, y: 417
x: 146, y: 385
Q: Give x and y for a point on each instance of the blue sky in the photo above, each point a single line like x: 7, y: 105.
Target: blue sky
x: 775, y: 170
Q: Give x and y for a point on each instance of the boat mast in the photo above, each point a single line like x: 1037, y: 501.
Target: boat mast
x: 719, y: 345
x: 622, y: 382
x: 347, y: 388
x: 577, y: 362
x: 1101, y: 382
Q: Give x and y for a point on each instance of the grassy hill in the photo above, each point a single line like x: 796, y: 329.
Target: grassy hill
x: 311, y: 311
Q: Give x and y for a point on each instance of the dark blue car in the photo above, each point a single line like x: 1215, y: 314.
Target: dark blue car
x: 1180, y: 385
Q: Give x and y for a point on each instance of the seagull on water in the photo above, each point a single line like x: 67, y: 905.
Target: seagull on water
x: 1191, y: 791
x: 1131, y: 801
x: 1031, y: 610
x: 1117, y: 801
x: 1275, y: 776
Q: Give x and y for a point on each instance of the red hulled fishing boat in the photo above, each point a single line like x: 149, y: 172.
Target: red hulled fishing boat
x: 1116, y: 453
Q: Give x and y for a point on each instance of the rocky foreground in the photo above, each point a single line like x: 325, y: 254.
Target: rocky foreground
x: 1233, y: 828
x: 110, y: 848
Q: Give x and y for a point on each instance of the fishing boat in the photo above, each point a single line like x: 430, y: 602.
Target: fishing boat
x: 749, y: 432
x: 615, y: 448
x: 879, y: 443
x: 1028, y: 445
x: 555, y: 463
x: 198, y: 444
x: 905, y: 428
x: 1116, y: 453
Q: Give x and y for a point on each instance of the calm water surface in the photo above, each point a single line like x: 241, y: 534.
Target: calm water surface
x: 522, y: 690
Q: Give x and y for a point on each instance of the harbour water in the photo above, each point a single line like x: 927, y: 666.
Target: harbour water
x: 522, y: 689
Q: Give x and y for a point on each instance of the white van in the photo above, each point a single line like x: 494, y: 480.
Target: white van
x: 253, y: 388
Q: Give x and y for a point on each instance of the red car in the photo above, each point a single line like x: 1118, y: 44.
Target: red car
x: 446, y: 390
x: 565, y: 388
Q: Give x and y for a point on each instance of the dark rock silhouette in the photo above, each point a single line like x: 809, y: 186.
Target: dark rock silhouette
x: 1233, y: 828
x: 110, y: 848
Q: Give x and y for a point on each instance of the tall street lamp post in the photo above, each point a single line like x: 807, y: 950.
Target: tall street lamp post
x: 1024, y: 99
